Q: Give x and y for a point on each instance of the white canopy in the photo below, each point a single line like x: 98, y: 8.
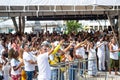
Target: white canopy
x: 59, y: 2
x: 57, y: 7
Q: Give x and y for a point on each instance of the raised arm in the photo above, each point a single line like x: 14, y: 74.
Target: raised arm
x: 57, y: 47
x: 98, y: 45
x: 52, y: 49
x: 67, y: 48
x: 81, y: 44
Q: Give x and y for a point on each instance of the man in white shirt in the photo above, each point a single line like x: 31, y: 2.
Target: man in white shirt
x: 29, y: 62
x: 43, y: 64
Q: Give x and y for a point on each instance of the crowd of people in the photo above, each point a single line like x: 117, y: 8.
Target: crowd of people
x: 25, y: 55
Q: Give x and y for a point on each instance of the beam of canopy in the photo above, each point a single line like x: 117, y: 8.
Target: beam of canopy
x: 13, y: 8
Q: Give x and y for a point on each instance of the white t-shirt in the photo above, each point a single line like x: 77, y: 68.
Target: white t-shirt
x: 9, y: 46
x: 43, y: 67
x: 6, y: 67
x: 101, y: 49
x: 114, y: 55
x: 1, y: 62
x: 14, y: 62
x: 81, y: 51
x: 28, y: 66
x: 92, y: 54
x: 1, y: 49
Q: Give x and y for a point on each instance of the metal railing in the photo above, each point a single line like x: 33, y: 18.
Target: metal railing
x: 78, y: 70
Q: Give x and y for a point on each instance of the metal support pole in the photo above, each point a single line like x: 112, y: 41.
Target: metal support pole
x: 119, y: 34
x: 111, y: 25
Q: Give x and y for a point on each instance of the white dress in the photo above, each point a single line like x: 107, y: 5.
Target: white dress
x: 92, y: 64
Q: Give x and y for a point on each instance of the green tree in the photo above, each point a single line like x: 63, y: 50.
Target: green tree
x: 73, y: 26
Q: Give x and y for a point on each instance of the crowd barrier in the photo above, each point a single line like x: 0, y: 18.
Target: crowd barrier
x: 78, y: 70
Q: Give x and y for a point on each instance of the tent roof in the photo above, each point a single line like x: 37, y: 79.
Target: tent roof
x: 59, y: 2
x: 54, y: 8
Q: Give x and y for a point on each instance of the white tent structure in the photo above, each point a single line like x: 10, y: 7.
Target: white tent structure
x: 5, y: 26
x: 8, y: 24
x: 58, y: 7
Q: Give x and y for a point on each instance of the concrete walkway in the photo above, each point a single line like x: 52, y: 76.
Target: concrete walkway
x: 101, y: 76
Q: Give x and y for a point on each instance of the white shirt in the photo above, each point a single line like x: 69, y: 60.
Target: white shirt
x: 14, y: 62
x: 43, y: 66
x: 28, y: 66
x: 92, y: 54
x: 9, y: 46
x: 1, y: 49
x: 1, y: 62
x: 101, y: 49
x: 81, y: 51
x: 114, y: 55
x: 5, y: 67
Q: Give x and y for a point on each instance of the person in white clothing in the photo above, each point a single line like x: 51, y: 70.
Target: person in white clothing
x: 101, y: 54
x: 29, y: 62
x: 92, y: 64
x: 80, y: 54
x: 114, y: 60
x: 2, y: 47
x: 6, y: 66
x: 15, y: 65
x: 43, y: 64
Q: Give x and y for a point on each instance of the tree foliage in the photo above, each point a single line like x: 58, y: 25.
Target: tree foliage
x: 73, y: 26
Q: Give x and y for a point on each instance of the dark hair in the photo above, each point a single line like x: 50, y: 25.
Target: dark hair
x: 5, y: 54
x: 71, y: 52
x: 12, y: 53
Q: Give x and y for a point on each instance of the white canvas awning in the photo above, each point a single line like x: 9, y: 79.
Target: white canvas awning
x: 59, y: 2
x: 57, y: 7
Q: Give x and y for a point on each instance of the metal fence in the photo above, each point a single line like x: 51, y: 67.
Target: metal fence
x: 78, y: 70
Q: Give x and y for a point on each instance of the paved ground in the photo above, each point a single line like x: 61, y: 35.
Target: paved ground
x: 102, y: 76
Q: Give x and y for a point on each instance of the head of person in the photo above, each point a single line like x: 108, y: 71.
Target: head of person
x: 13, y: 54
x: 43, y: 48
x: 4, y: 55
x: 113, y: 40
x: 27, y: 48
x: 3, y: 43
x: 92, y: 44
x: 101, y: 39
